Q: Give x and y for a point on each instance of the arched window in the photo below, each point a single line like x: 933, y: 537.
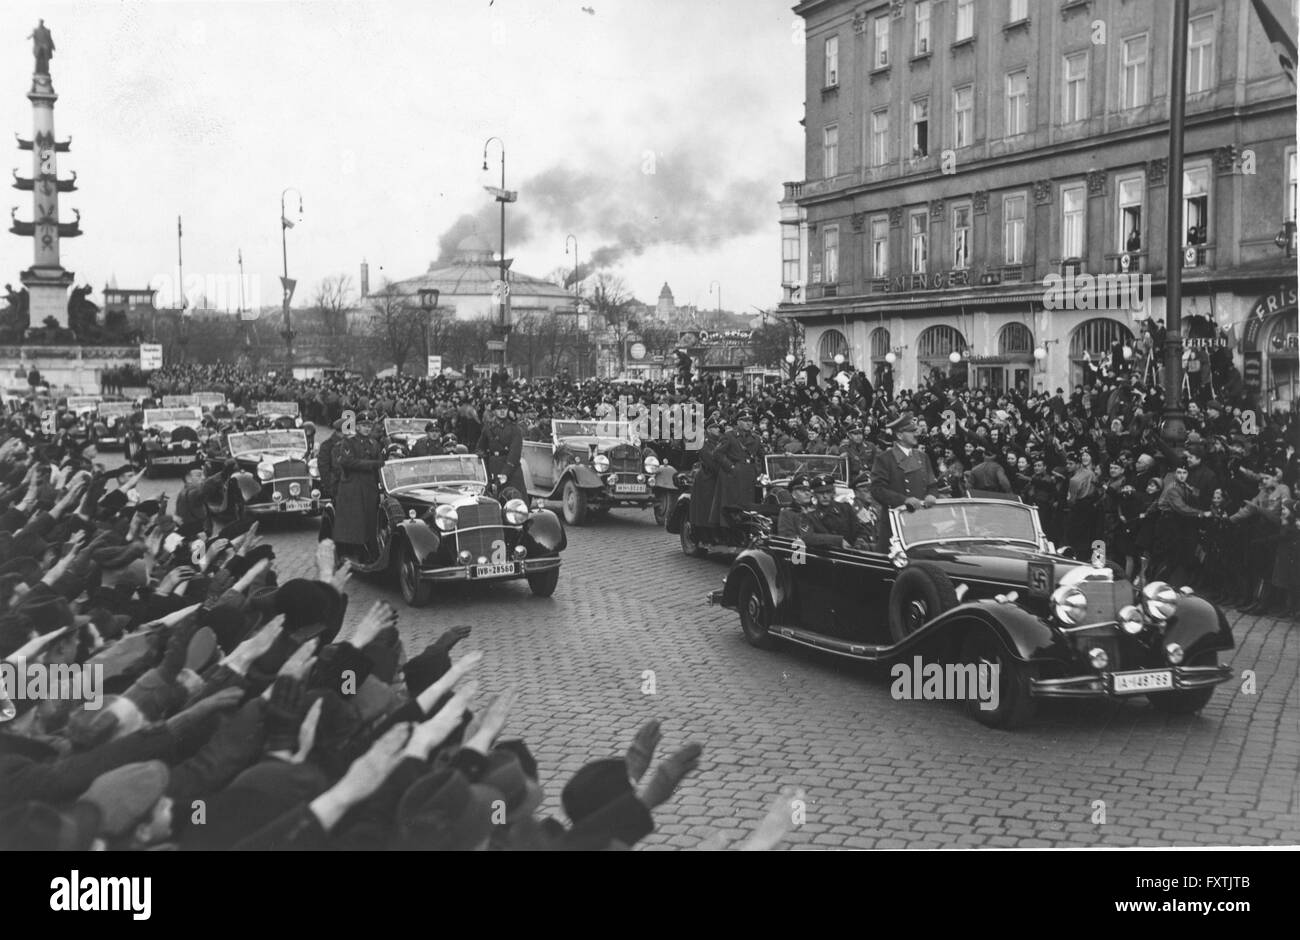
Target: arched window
x: 879, y: 342
x: 832, y: 344
x: 1015, y: 340
x: 1096, y: 337
x: 938, y: 341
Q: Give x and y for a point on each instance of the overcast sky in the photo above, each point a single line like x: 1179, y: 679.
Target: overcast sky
x: 658, y: 131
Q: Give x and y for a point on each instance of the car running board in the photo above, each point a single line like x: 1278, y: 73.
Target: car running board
x: 871, y: 652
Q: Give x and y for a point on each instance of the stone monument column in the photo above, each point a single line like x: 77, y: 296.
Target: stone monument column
x: 46, y: 280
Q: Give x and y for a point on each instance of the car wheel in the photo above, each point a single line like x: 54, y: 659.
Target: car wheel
x: 575, y: 504
x: 1186, y: 701
x: 416, y: 592
x: 1014, y: 705
x: 690, y: 547
x: 543, y: 583
x: 921, y: 592
x: 755, y: 617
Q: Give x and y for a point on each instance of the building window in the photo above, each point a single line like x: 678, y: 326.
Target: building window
x: 922, y: 46
x: 1017, y: 102
x: 961, y: 237
x: 832, y: 61
x: 880, y: 247
x: 880, y: 137
x: 831, y: 254
x: 1015, y: 339
x: 1072, y: 207
x: 921, y: 127
x: 918, y: 229
x: 1291, y: 185
x: 963, y: 115
x: 882, y: 42
x: 833, y: 344
x: 831, y: 150
x: 1019, y: 11
x: 1196, y: 205
x: 1200, y: 54
x: 938, y: 342
x: 1130, y: 214
x: 1133, y: 82
x: 965, y: 19
x: 789, y: 254
x: 879, y: 343
x: 1013, y: 229
x: 1076, y: 87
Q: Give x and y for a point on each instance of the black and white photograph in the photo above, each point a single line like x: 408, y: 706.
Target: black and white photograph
x: 689, y: 425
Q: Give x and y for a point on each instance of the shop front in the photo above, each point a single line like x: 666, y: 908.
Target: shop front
x: 1270, y: 347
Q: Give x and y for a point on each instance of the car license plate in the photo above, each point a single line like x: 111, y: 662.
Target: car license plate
x: 294, y: 505
x: 493, y: 571
x: 1130, y: 682
x: 629, y: 487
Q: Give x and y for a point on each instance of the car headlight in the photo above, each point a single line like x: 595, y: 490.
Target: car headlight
x: 1130, y: 619
x: 445, y: 518
x: 600, y: 462
x: 1175, y: 653
x: 1159, y: 600
x: 313, y: 467
x: 1069, y: 604
x: 411, y: 513
x: 516, y: 511
x: 265, y: 471
x: 651, y: 464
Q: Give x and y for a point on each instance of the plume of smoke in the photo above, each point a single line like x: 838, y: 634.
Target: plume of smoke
x: 486, y: 223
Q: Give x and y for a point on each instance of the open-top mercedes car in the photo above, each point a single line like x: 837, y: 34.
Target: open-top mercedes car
x: 437, y: 523
x: 404, y: 431
x: 277, y: 473
x: 276, y: 414
x: 167, y: 438
x: 744, y: 524
x: 974, y: 581
x: 592, y: 466
x: 206, y: 401
x: 111, y: 423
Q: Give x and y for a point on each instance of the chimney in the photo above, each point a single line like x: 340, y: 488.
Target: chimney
x: 365, y: 280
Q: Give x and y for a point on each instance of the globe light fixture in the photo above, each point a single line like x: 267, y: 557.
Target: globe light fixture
x: 789, y: 359
x: 839, y: 359
x: 954, y: 357
x: 890, y: 357
x: 1040, y: 353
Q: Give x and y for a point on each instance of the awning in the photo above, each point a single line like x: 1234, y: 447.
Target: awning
x: 905, y: 303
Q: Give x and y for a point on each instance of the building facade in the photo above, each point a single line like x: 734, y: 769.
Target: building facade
x: 989, y: 178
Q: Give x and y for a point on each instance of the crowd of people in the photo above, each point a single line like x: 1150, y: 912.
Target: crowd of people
x: 232, y: 711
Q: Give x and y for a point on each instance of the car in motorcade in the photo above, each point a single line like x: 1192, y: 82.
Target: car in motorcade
x: 80, y: 405
x: 277, y: 473
x: 974, y: 583
x: 279, y: 414
x: 592, y: 466
x: 404, y: 432
x: 167, y: 438
x: 111, y: 423
x: 743, y: 524
x: 207, y: 401
x: 438, y: 522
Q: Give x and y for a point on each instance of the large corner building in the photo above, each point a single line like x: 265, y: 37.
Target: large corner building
x: 960, y: 152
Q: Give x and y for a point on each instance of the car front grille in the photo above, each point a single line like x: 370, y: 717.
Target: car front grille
x: 288, y: 472
x: 477, y: 527
x: 624, y: 459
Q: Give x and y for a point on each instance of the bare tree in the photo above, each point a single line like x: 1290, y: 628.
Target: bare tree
x: 398, y: 324
x: 334, y: 302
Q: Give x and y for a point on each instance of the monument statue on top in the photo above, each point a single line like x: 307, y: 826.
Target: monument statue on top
x: 42, y: 47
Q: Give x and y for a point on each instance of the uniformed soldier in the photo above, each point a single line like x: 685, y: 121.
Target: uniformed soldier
x: 815, y: 443
x: 430, y: 445
x: 902, y: 475
x: 501, y: 446
x: 803, y: 521
x: 861, y: 453
x: 836, y: 517
x: 739, y: 456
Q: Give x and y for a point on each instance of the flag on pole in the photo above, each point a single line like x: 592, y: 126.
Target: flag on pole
x: 178, y: 226
x: 288, y: 284
x: 1279, y: 24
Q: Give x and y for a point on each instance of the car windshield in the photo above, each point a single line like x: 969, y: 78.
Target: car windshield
x: 115, y: 409
x: 254, y: 441
x: 154, y: 416
x: 432, y: 471
x: 594, y: 430
x: 963, y: 520
x: 784, y: 466
x: 277, y: 407
x: 394, y: 426
x: 79, y: 403
x: 180, y: 401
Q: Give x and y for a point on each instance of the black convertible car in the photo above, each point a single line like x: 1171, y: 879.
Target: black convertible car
x: 438, y: 523
x: 974, y: 581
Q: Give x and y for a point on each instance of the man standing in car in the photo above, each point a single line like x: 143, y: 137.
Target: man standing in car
x: 738, y: 456
x: 902, y: 476
x: 501, y: 445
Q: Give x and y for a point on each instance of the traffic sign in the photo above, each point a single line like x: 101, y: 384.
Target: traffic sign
x: 151, y: 356
x: 496, y: 345
x: 502, y: 195
x: 435, y: 366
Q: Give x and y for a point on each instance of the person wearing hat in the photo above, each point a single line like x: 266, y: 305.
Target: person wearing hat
x: 801, y: 520
x: 325, y: 459
x: 356, y: 493
x: 430, y: 445
x: 501, y: 446
x: 704, y: 485
x: 902, y: 476
x: 988, y: 475
x: 739, y: 455
x: 860, y: 452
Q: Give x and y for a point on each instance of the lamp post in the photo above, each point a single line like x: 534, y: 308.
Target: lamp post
x: 287, y: 285
x: 1174, y: 429
x: 719, y: 283
x: 502, y: 196
x: 428, y: 303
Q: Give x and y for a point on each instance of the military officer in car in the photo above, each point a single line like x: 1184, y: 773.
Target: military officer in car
x: 501, y: 446
x: 902, y: 476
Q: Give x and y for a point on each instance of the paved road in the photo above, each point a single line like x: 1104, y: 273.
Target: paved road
x: 628, y: 637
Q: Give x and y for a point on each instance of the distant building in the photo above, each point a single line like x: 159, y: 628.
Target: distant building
x: 666, y: 309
